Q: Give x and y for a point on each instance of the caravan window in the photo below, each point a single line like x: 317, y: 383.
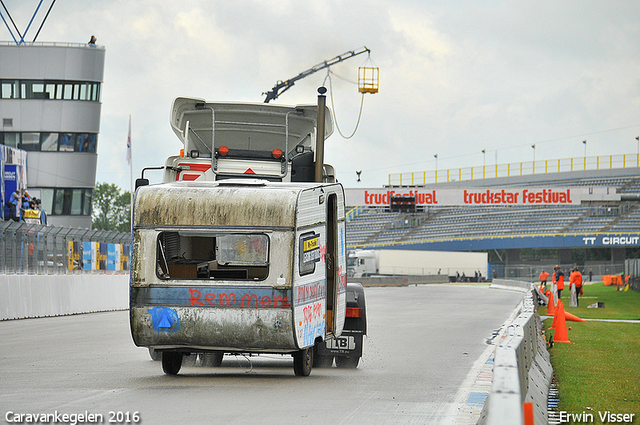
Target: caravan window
x: 222, y: 256
x: 309, y: 252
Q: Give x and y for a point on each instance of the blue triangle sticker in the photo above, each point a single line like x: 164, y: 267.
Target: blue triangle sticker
x: 164, y: 322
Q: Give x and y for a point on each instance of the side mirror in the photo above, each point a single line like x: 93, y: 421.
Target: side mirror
x: 141, y: 182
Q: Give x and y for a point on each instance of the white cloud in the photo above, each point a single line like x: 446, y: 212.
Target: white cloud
x: 455, y: 77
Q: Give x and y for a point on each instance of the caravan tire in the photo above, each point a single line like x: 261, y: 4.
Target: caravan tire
x: 303, y: 362
x: 171, y: 362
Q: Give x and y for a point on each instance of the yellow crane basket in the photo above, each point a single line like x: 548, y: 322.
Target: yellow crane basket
x: 368, y: 79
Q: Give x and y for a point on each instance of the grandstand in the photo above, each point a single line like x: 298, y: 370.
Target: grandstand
x: 605, y: 222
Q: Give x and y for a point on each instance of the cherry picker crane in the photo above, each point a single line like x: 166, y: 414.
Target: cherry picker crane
x: 282, y: 86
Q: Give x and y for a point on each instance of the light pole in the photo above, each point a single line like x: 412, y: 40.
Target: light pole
x: 436, y: 176
x: 484, y: 157
x: 534, y: 157
x: 534, y: 152
x: 584, y: 142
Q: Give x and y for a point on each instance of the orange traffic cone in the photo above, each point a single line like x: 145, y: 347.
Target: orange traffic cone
x: 527, y: 410
x: 555, y: 316
x: 551, y: 305
x: 573, y: 318
x: 561, y: 335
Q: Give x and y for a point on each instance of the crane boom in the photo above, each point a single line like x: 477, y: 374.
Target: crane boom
x: 282, y: 86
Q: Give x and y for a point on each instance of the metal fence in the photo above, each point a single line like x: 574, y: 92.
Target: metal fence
x: 530, y: 273
x: 605, y: 162
x: 39, y: 249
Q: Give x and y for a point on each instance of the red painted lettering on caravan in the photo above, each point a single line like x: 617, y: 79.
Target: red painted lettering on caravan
x: 265, y: 301
x: 248, y: 298
x: 312, y: 312
x: 228, y: 298
x: 284, y: 302
x: 195, y: 297
x: 310, y: 292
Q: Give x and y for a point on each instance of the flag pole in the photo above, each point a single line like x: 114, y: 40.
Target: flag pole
x: 130, y: 160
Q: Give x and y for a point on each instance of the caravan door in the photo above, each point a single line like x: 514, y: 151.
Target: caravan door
x: 320, y: 275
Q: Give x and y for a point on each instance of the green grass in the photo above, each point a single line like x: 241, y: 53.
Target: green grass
x: 599, y: 370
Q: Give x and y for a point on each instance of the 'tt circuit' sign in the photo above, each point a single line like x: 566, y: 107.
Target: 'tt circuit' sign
x: 607, y: 240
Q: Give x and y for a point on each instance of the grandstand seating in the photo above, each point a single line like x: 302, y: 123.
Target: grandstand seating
x: 375, y: 225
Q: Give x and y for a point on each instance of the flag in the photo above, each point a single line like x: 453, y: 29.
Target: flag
x: 129, y: 143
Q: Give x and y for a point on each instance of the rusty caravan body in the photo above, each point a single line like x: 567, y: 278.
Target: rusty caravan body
x: 238, y: 266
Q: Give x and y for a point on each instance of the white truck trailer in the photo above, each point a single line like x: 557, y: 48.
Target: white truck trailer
x: 364, y: 263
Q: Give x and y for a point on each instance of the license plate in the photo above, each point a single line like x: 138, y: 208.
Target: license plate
x: 341, y: 343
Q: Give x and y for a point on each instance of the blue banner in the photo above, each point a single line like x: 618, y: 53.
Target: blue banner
x: 88, y: 256
x: 111, y: 257
x: 618, y: 240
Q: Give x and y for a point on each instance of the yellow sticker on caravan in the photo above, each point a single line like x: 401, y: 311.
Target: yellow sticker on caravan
x: 311, y: 244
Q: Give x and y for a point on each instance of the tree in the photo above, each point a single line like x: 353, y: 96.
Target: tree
x: 111, y: 209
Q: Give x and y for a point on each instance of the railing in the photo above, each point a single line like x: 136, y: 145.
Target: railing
x: 50, y: 250
x: 522, y: 371
x: 353, y: 213
x: 605, y: 162
x: 530, y: 273
x: 52, y: 44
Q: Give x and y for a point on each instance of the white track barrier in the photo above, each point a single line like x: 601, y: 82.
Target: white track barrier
x: 522, y: 369
x: 26, y: 296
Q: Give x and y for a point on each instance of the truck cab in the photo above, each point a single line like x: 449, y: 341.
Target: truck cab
x: 240, y: 140
x: 362, y: 263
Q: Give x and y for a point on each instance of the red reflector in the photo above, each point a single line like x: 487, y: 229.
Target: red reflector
x: 354, y: 312
x: 249, y: 171
x: 276, y: 153
x: 223, y: 150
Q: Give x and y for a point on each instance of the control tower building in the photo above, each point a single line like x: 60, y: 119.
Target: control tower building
x: 50, y: 107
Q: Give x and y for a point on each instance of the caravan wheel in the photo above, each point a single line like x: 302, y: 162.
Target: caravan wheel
x: 303, y: 362
x: 171, y: 362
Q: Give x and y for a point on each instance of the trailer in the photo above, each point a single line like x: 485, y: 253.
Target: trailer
x: 363, y: 263
x: 239, y: 250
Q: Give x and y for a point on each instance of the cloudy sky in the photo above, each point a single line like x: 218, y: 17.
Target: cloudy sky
x: 456, y: 77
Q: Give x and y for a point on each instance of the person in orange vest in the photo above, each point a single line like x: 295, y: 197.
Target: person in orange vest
x: 559, y: 279
x: 543, y: 281
x: 575, y: 281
